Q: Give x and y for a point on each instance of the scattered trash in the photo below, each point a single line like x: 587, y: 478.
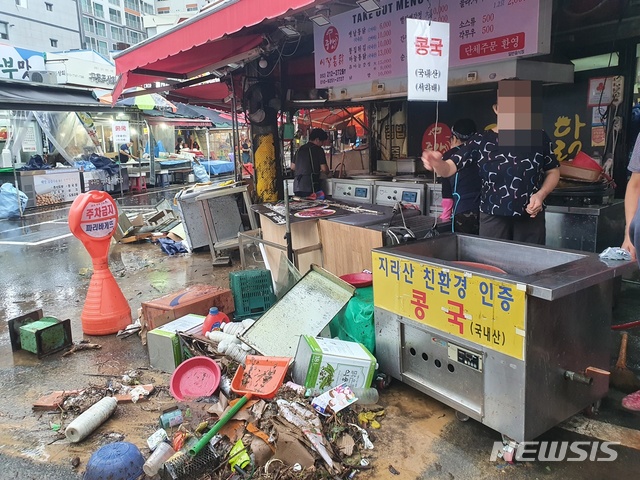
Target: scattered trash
x: 80, y: 346
x: 334, y: 400
x: 393, y: 470
x: 156, y: 438
x: 171, y: 418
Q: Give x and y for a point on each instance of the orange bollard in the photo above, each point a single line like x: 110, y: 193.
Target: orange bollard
x: 93, y: 219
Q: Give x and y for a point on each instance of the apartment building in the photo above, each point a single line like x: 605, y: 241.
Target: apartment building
x: 40, y: 25
x: 113, y: 24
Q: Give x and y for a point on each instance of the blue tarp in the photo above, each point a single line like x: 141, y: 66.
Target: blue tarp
x: 217, y: 167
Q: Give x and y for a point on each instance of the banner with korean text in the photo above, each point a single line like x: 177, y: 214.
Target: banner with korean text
x: 427, y: 60
x: 483, y: 310
x: 121, y: 133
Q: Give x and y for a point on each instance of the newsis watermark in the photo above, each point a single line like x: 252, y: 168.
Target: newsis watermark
x: 558, y: 451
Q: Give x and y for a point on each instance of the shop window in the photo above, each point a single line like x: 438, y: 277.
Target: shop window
x: 4, y: 31
x: 49, y: 6
x: 54, y: 42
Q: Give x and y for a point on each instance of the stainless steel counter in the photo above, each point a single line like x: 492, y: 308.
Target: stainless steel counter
x: 590, y: 229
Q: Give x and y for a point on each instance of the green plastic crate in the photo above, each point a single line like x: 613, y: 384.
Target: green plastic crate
x: 252, y: 292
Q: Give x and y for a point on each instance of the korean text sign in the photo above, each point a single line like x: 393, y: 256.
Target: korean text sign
x: 427, y: 60
x: 121, y: 133
x: 99, y: 219
x: 359, y: 47
x: 482, y: 310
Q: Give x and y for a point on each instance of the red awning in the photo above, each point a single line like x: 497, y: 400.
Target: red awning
x: 186, y: 49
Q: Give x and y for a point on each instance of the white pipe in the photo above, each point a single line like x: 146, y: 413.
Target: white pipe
x: 91, y: 419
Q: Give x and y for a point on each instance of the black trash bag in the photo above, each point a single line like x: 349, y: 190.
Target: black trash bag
x: 104, y: 163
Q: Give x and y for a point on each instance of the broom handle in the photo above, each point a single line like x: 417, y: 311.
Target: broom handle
x: 622, y: 357
x: 219, y: 424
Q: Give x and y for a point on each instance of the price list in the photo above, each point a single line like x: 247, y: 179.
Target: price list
x: 359, y: 47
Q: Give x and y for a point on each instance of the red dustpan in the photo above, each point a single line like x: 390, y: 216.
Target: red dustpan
x: 261, y: 378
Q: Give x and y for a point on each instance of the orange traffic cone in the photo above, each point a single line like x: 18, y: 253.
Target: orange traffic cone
x: 93, y: 219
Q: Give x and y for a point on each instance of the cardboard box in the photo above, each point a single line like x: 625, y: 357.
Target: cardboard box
x: 165, y: 352
x: 323, y: 363
x: 197, y: 299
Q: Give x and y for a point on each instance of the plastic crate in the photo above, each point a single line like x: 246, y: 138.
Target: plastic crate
x: 252, y: 292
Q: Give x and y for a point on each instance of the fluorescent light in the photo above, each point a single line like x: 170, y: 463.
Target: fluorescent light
x: 289, y: 31
x: 320, y: 19
x: 369, y: 5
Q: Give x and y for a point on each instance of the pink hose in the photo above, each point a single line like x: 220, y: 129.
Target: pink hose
x: 624, y: 326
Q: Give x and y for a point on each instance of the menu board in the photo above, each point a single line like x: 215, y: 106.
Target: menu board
x: 56, y: 187
x: 358, y: 47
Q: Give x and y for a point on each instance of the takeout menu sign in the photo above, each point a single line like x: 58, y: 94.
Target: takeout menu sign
x: 359, y: 47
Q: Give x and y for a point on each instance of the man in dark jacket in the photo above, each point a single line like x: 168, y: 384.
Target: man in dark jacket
x: 309, y: 162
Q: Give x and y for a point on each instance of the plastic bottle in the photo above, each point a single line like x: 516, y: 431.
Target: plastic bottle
x: 366, y: 396
x: 214, y: 320
x: 91, y: 419
x: 237, y: 353
x: 161, y: 454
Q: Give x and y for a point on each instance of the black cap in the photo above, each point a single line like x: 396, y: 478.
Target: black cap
x: 464, y: 128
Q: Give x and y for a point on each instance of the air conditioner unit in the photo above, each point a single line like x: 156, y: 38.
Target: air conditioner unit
x: 43, y: 76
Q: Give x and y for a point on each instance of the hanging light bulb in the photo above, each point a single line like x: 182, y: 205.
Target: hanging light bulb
x: 263, y: 63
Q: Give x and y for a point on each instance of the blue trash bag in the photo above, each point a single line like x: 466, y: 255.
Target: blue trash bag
x: 9, y: 201
x: 201, y: 173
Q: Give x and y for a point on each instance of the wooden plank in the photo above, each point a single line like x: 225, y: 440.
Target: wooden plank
x: 347, y: 248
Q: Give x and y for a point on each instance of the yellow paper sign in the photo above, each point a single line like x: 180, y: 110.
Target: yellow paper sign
x: 482, y: 310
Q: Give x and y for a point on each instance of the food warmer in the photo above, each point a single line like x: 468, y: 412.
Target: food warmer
x: 519, y: 351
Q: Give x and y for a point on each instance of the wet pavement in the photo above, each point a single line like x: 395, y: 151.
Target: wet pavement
x: 43, y: 266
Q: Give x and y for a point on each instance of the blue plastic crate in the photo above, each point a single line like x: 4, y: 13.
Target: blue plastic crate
x: 252, y: 292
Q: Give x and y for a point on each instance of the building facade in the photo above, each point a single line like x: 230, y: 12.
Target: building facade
x: 42, y: 25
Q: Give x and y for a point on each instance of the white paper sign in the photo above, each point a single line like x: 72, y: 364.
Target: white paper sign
x: 427, y: 60
x: 29, y: 143
x: 121, y: 133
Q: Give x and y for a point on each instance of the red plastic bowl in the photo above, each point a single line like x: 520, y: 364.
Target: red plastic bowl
x: 358, y: 280
x: 194, y: 378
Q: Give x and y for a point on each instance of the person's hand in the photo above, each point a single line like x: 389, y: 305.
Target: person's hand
x: 429, y: 158
x: 535, y: 205
x: 628, y: 246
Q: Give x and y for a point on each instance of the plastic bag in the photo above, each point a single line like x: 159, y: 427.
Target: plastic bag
x: 9, y: 201
x: 354, y: 323
x: 201, y: 173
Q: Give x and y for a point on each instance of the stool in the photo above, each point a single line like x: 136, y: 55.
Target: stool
x: 138, y: 182
x: 162, y: 178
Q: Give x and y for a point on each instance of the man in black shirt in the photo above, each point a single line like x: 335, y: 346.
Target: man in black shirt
x: 125, y: 152
x: 309, y: 162
x: 517, y: 174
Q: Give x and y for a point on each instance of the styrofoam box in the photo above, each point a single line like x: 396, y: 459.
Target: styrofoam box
x: 323, y: 363
x: 163, y: 343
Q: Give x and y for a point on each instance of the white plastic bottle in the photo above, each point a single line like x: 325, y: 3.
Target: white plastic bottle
x: 366, y: 396
x: 91, y: 419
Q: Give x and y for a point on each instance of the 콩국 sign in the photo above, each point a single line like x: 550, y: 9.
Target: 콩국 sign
x: 358, y: 47
x: 482, y: 310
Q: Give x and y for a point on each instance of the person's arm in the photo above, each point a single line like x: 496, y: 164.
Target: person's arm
x: 432, y: 161
x: 631, y: 198
x: 536, y: 201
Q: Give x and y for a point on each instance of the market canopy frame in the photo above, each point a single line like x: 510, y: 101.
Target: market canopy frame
x: 183, y: 55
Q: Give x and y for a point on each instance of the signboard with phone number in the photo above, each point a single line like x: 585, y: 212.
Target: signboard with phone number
x: 482, y: 310
x: 359, y: 47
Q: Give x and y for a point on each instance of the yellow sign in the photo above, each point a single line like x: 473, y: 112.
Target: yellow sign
x: 482, y: 310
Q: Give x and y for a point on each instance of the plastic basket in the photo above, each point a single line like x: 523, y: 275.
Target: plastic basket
x: 252, y: 292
